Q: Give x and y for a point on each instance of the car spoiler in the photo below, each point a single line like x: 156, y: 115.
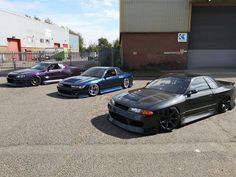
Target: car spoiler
x: 226, y: 83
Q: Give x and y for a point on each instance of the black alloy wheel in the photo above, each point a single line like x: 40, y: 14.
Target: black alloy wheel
x: 170, y: 119
x: 224, y: 105
x: 35, y: 81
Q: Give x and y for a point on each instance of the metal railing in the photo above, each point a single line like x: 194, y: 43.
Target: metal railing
x: 21, y: 60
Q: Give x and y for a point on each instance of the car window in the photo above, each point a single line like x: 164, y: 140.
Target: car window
x: 41, y: 66
x: 94, y: 72
x: 119, y: 71
x: 111, y: 72
x: 170, y: 84
x: 61, y: 66
x: 54, y: 67
x: 211, y: 82
x: 199, y: 84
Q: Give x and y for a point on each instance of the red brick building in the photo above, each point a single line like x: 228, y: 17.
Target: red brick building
x: 178, y: 34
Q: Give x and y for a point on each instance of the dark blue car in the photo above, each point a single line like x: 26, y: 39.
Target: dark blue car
x: 94, y: 81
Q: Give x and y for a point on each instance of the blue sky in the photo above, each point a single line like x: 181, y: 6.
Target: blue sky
x: 92, y: 18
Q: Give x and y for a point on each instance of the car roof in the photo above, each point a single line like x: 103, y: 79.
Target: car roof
x: 105, y: 67
x: 183, y: 75
x: 51, y: 62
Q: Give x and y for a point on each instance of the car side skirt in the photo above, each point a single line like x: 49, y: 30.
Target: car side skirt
x: 103, y: 91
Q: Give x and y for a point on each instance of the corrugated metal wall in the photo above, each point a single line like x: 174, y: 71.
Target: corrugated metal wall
x: 156, y: 15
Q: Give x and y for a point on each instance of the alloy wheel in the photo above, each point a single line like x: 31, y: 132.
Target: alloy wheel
x: 170, y: 120
x: 224, y: 105
x: 126, y: 83
x: 93, y: 90
x: 35, y: 81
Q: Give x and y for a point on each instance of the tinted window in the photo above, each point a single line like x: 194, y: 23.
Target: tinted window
x: 111, y: 72
x: 199, y: 84
x: 119, y: 71
x: 94, y: 72
x: 54, y: 67
x: 41, y: 66
x: 211, y: 82
x: 170, y: 84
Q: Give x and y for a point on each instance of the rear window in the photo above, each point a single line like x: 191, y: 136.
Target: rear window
x: 211, y: 82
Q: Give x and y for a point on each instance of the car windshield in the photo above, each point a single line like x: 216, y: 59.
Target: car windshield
x: 94, y: 72
x: 170, y: 84
x: 41, y: 66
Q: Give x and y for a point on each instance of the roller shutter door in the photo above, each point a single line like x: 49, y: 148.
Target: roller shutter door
x: 212, y: 37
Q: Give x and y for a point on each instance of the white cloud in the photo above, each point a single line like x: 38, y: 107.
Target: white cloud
x: 98, y: 18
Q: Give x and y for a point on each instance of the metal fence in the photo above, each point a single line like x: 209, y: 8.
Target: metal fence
x: 111, y: 57
x: 21, y: 60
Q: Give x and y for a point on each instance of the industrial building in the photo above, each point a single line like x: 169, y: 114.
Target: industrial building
x: 178, y: 34
x: 24, y: 34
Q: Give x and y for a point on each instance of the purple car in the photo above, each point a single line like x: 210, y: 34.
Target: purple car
x: 42, y: 73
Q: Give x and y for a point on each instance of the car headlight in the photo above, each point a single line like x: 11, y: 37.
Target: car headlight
x: 112, y: 102
x: 78, y: 86
x: 144, y: 112
x: 20, y: 76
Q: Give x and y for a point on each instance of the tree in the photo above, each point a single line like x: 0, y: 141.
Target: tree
x: 81, y: 40
x: 37, y: 18
x: 92, y: 48
x: 116, y: 44
x: 81, y: 43
x: 104, y: 44
x: 27, y: 16
x: 48, y: 21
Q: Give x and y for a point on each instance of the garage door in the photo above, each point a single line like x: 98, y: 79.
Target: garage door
x: 213, y: 37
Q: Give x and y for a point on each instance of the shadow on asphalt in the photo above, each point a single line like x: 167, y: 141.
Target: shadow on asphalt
x: 55, y: 95
x: 4, y: 85
x: 103, y: 125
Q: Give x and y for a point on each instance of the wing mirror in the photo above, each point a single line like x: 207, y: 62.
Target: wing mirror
x: 191, y: 92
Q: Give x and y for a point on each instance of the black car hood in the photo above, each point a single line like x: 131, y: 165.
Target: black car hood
x: 144, y: 98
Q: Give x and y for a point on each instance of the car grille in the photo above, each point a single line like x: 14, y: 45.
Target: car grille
x: 66, y: 85
x: 67, y: 92
x: 125, y: 120
x: 122, y: 106
x: 13, y: 81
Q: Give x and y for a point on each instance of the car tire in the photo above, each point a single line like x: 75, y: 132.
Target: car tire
x: 224, y: 105
x: 93, y: 90
x: 126, y: 83
x: 170, y: 119
x: 35, y: 81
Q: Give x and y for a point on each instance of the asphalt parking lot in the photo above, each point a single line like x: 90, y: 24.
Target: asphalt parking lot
x: 42, y: 134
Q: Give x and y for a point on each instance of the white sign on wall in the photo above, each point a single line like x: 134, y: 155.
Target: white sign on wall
x: 182, y: 37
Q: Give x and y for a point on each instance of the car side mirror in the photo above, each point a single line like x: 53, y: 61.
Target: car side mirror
x: 191, y: 92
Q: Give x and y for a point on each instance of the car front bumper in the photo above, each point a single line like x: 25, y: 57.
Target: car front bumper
x: 17, y: 82
x: 133, y: 122
x: 72, y: 93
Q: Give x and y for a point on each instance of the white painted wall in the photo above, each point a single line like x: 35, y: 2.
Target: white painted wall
x: 30, y: 31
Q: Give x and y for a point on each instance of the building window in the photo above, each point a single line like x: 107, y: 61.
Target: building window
x: 41, y: 40
x: 47, y: 41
